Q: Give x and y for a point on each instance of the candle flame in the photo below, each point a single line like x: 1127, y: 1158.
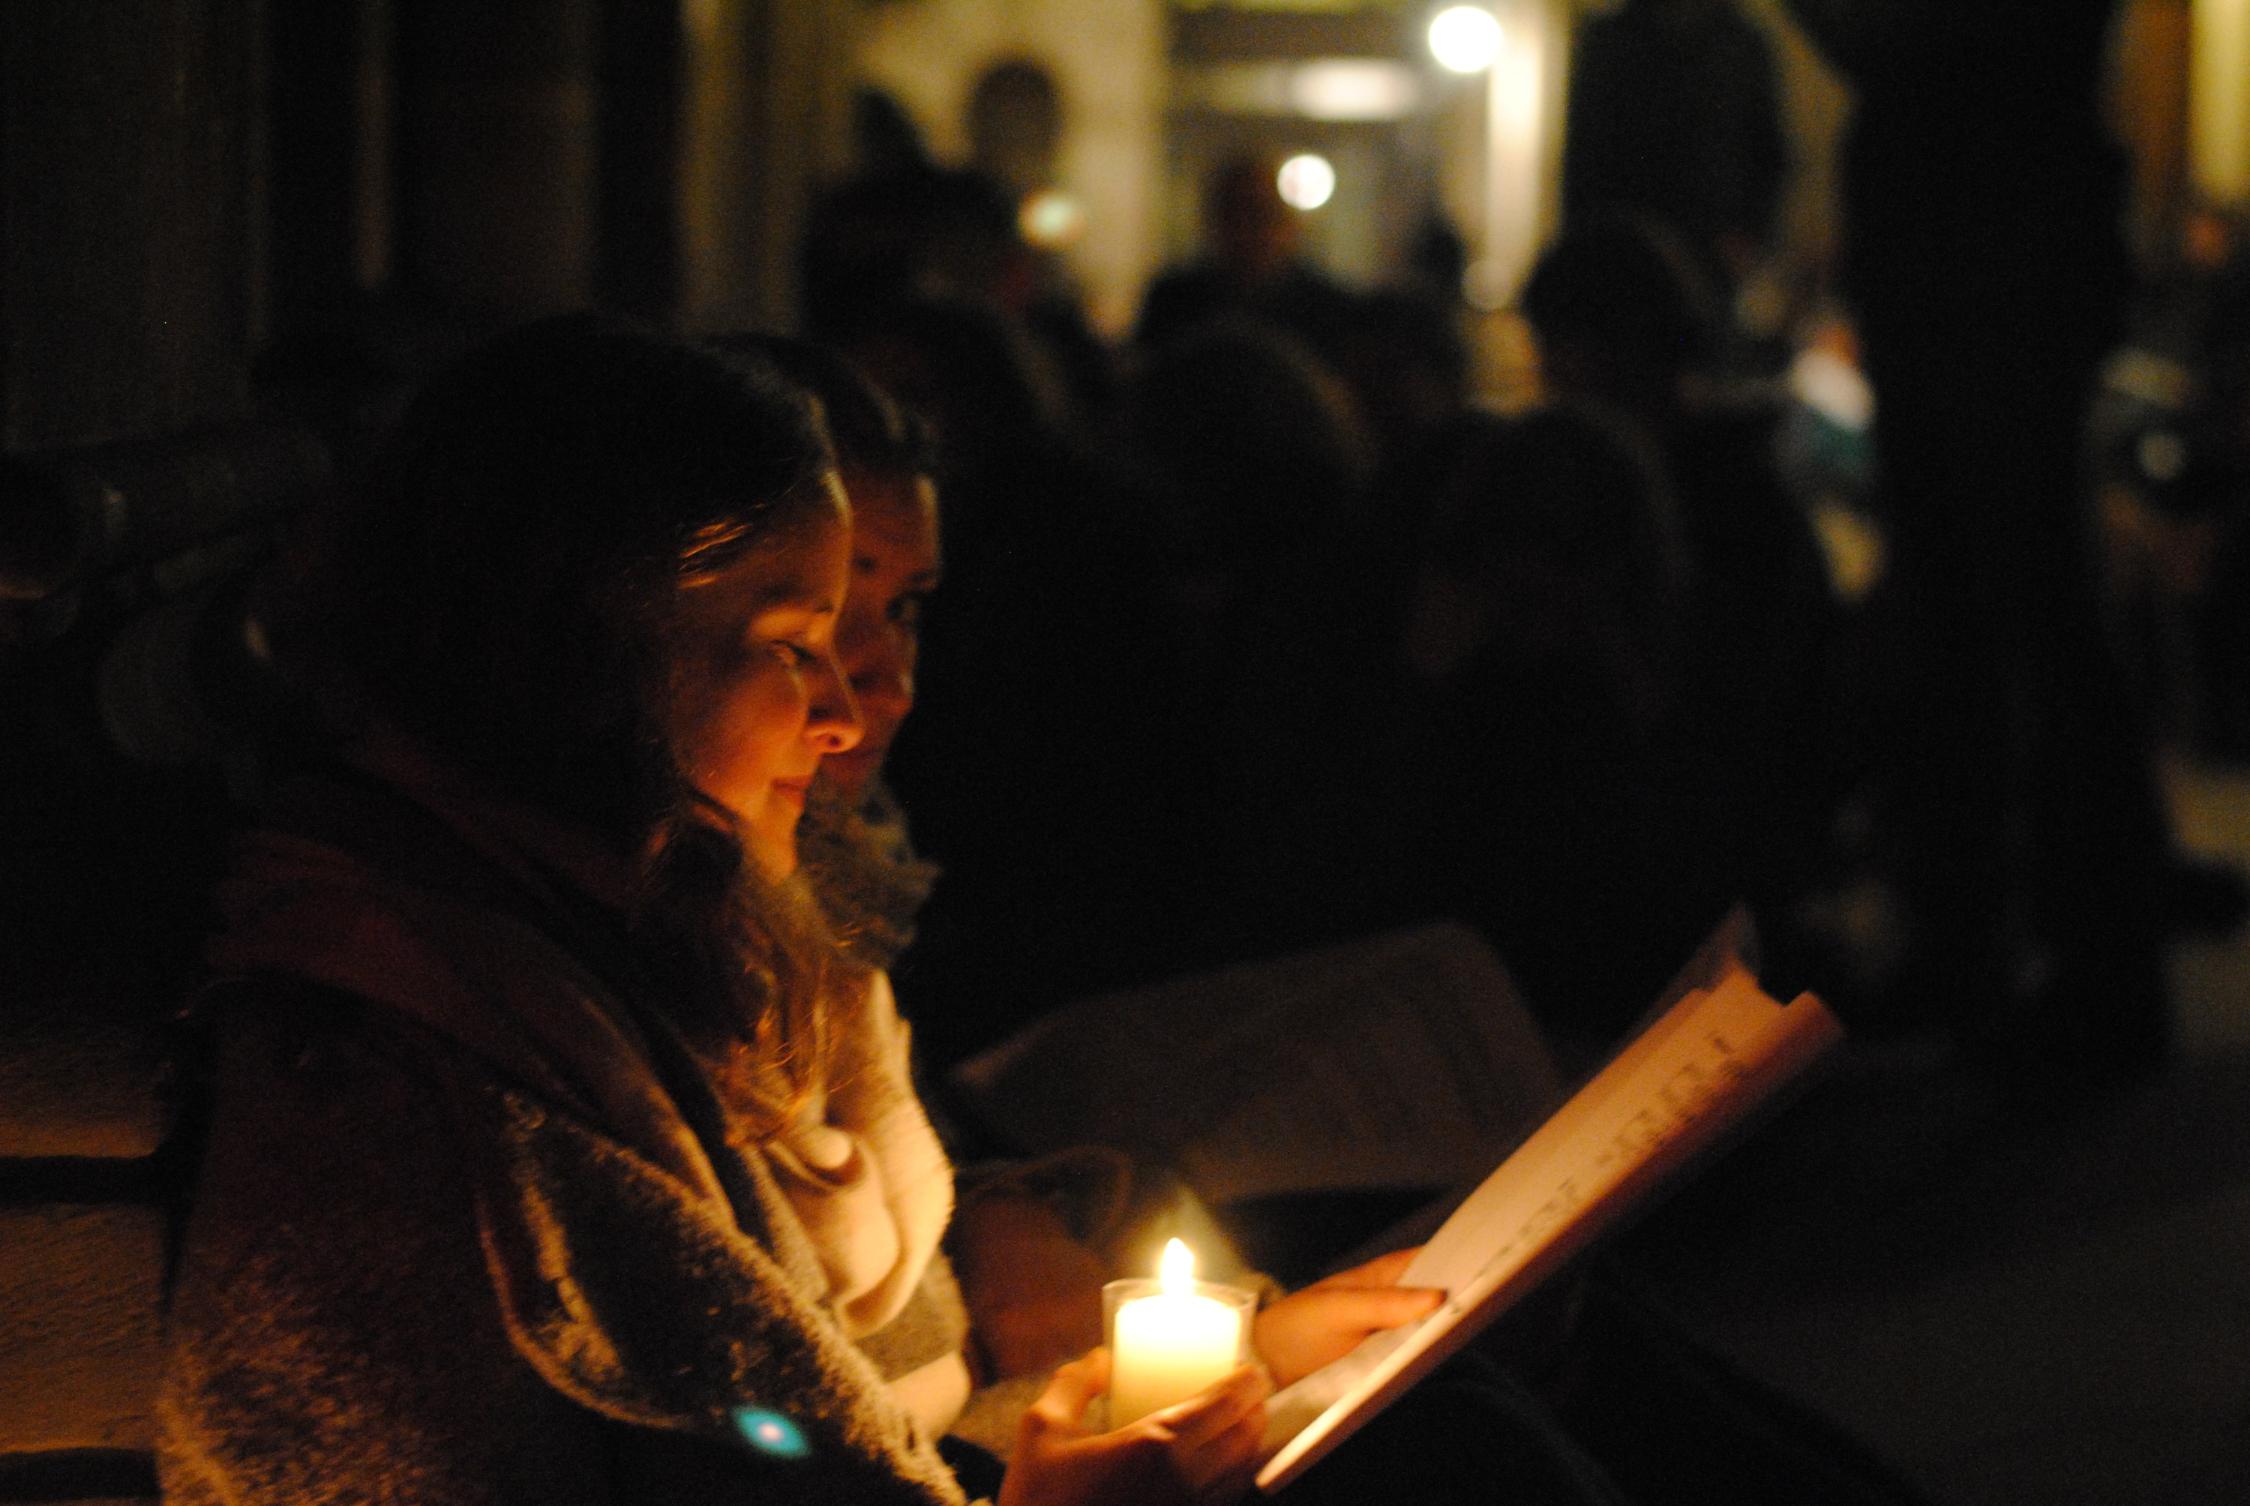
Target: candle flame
x: 1175, y: 1271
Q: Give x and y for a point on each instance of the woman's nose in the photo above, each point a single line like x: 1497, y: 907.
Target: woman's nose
x: 882, y: 676
x: 833, y: 723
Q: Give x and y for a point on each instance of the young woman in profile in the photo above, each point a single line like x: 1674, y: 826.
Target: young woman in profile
x: 555, y: 1151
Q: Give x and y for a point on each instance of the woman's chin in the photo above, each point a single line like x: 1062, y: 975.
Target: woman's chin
x: 852, y: 773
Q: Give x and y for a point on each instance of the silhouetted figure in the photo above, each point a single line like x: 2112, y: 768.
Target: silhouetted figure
x: 863, y: 236
x: 1984, y: 263
x: 1035, y: 765
x: 2210, y: 494
x: 1542, y: 640
x: 1402, y: 352
x: 1015, y: 119
x: 1255, y: 453
x: 1674, y: 112
x: 1437, y: 260
x: 1624, y: 320
x: 1249, y: 266
x: 903, y: 227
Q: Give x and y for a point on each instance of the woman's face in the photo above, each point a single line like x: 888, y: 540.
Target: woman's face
x: 763, y: 698
x: 894, y: 568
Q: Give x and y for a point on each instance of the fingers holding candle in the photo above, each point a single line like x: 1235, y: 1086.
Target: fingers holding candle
x: 1214, y: 1437
x: 1062, y: 1406
x: 1202, y: 1451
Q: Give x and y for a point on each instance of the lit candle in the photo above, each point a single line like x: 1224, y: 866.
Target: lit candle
x: 1167, y: 1346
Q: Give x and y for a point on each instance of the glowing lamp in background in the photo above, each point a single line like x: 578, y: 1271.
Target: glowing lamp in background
x: 1171, y: 1337
x: 1306, y: 181
x: 1051, y: 219
x: 1464, y: 38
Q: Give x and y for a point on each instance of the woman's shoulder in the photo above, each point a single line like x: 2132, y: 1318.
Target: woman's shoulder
x: 305, y: 1093
x: 262, y: 1042
x: 331, y: 1254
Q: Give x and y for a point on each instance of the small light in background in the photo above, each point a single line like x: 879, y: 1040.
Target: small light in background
x: 2163, y: 455
x: 1353, y: 89
x: 1051, y: 219
x: 1465, y: 38
x: 1306, y: 181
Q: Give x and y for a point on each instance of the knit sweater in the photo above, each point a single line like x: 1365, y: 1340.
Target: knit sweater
x: 468, y: 1229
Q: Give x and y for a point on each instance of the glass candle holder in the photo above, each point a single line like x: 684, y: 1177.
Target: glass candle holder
x: 1169, y: 1339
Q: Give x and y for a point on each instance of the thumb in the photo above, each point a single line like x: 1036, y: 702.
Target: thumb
x: 1073, y: 1387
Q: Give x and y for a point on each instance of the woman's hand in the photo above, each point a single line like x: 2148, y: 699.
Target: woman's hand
x: 1327, y: 1320
x: 1199, y: 1452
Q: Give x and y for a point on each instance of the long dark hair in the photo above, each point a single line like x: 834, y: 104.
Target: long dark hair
x: 870, y: 431
x: 506, y: 590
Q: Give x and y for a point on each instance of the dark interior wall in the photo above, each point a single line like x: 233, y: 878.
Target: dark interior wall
x: 638, y: 137
x: 126, y: 132
x: 765, y: 101
x: 497, y: 162
x: 329, y: 86
x: 234, y: 230
x: 211, y: 206
x: 230, y: 226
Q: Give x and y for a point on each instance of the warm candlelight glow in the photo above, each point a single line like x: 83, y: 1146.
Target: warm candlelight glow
x: 1175, y: 1269
x: 1175, y: 1338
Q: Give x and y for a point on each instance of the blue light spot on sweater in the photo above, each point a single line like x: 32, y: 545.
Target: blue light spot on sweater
x: 771, y: 1433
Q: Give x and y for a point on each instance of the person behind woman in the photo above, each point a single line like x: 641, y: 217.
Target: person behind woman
x: 554, y: 1151
x: 1568, y: 1410
x: 1060, y: 868
x: 1031, y: 1241
x: 871, y: 882
x: 1541, y: 640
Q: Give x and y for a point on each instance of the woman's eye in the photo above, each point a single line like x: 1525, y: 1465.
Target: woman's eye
x: 796, y: 655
